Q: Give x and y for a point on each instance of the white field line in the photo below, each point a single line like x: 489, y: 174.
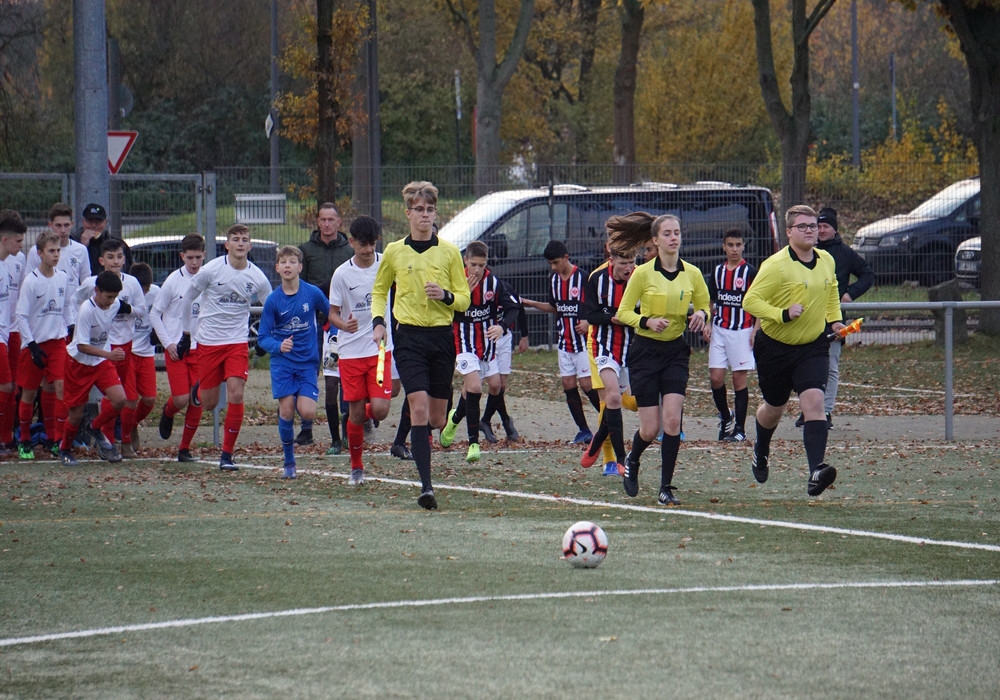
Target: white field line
x: 808, y: 527
x: 191, y: 622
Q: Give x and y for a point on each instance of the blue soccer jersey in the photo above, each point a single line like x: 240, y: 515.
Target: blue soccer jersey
x: 293, y: 316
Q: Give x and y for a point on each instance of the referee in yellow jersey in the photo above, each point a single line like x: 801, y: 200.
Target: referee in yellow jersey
x: 430, y: 287
x: 796, y: 298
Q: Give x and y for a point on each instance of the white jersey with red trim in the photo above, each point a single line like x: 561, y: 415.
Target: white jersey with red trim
x: 16, y: 269
x: 351, y: 291
x: 43, y: 308
x: 142, y: 327
x: 131, y: 293
x: 167, y: 313
x: 225, y: 296
x: 93, y: 327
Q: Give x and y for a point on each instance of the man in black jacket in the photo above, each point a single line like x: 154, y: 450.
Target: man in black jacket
x: 326, y: 249
x: 849, y: 264
x: 94, y: 232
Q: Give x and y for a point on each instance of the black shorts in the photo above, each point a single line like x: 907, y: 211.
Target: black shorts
x: 425, y: 359
x: 657, y: 368
x: 783, y: 368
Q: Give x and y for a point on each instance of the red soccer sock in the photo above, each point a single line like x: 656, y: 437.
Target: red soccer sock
x: 62, y: 413
x: 169, y: 408
x: 48, y: 401
x: 141, y: 411
x: 368, y: 412
x: 234, y: 419
x: 128, y: 422
x: 69, y: 434
x: 192, y: 418
x: 24, y: 412
x: 356, y: 443
x: 6, y: 419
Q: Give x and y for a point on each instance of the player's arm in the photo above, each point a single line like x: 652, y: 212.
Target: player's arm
x: 23, y: 312
x: 699, y: 318
x: 380, y: 292
x: 199, y: 283
x: 757, y: 299
x: 457, y: 295
x: 509, y: 306
x: 626, y: 309
x: 265, y: 331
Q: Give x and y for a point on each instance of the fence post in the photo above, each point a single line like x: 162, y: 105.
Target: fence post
x: 949, y: 372
x: 209, y: 190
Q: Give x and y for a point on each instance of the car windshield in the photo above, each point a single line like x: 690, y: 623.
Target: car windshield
x: 945, y: 202
x: 469, y: 224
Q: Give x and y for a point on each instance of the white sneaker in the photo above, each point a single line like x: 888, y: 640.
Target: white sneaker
x: 356, y: 478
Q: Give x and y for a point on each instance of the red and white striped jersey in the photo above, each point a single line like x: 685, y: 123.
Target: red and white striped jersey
x: 491, y: 304
x: 567, y: 296
x: 726, y: 289
x: 604, y: 294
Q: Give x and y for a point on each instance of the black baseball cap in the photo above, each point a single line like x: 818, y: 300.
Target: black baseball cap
x: 95, y: 212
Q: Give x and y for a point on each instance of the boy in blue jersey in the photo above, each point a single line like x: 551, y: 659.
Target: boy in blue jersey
x: 288, y: 331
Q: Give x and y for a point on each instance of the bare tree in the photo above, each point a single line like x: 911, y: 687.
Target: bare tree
x: 492, y: 78
x: 977, y: 25
x: 792, y: 126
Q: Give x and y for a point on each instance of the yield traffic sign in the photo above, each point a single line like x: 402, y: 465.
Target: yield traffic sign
x: 119, y: 144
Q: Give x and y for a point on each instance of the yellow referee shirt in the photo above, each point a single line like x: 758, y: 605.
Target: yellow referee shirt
x: 784, y: 280
x: 410, y: 269
x: 661, y: 297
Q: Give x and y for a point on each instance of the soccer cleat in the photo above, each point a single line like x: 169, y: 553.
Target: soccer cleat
x: 759, y: 466
x: 427, y: 500
x: 166, y: 426
x: 473, y: 454
x: 289, y: 472
x: 737, y: 435
x: 821, y: 477
x: 800, y: 421
x: 726, y: 425
x: 613, y: 469
x: 336, y: 447
x: 193, y: 396
x: 128, y: 451
x: 226, y: 463
x: 449, y: 429
x: 305, y: 437
x: 67, y: 459
x: 25, y: 451
x: 829, y: 422
x: 512, y: 434
x: 134, y: 435
x: 400, y: 451
x: 586, y: 459
x: 667, y: 497
x: 486, y: 430
x: 630, y: 479
x: 370, y: 426
x: 356, y: 478
x: 106, y: 449
x: 582, y: 438
x: 185, y: 456
x: 680, y: 437
x: 53, y: 447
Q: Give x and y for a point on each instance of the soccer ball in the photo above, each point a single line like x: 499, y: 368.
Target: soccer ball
x: 585, y: 545
x: 331, y: 352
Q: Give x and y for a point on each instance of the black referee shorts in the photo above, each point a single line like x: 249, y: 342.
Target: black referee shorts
x: 657, y: 368
x: 425, y: 359
x: 782, y: 368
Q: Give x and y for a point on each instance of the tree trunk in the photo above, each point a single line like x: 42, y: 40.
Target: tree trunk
x: 978, y: 30
x: 792, y: 127
x: 492, y: 79
x: 326, y: 133
x: 631, y: 14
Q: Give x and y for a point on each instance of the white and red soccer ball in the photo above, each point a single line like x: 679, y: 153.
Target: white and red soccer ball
x: 585, y: 545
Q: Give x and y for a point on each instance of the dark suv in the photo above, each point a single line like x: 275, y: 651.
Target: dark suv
x: 921, y: 245
x: 163, y: 254
x: 517, y: 224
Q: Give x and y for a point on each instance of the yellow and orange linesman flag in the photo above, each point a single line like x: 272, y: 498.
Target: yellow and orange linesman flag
x: 380, y: 367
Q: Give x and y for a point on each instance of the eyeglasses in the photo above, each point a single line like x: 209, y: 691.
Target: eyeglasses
x: 421, y: 210
x: 806, y: 227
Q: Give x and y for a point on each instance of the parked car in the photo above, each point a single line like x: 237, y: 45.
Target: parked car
x: 163, y: 254
x: 921, y: 245
x: 516, y: 225
x: 968, y: 258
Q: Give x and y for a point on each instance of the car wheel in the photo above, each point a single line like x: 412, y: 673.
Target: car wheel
x: 934, y: 267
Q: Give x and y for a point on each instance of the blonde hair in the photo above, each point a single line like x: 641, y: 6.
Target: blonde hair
x: 289, y: 251
x: 420, y: 189
x: 798, y: 210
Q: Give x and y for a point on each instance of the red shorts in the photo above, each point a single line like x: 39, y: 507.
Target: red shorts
x: 5, y: 374
x: 217, y: 363
x: 144, y: 369
x: 81, y: 377
x: 357, y: 378
x: 182, y: 374
x: 30, y: 375
x: 126, y: 372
